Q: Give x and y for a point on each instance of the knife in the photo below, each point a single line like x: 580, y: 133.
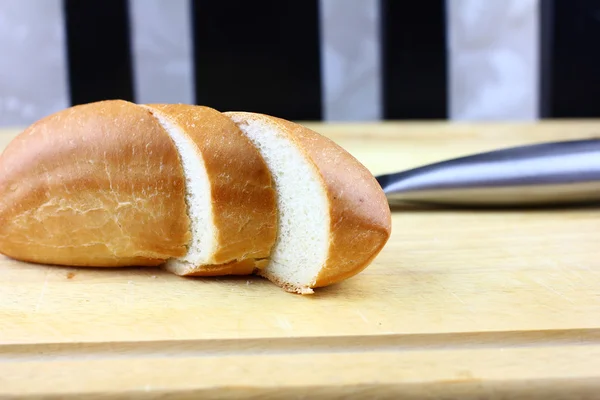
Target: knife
x: 544, y: 174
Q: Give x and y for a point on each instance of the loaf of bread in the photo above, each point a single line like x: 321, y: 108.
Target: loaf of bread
x: 193, y: 190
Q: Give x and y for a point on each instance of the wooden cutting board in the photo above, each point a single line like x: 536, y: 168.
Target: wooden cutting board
x: 459, y: 304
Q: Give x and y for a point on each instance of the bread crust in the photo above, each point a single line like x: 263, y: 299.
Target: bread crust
x: 361, y: 221
x: 245, y: 267
x: 242, y: 191
x: 359, y: 212
x: 99, y: 185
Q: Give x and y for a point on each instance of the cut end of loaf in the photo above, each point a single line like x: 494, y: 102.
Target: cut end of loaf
x: 348, y: 221
x: 198, y: 199
x: 230, y: 199
x: 302, y: 244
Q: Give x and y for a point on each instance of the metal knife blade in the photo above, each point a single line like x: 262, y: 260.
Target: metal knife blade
x: 552, y: 173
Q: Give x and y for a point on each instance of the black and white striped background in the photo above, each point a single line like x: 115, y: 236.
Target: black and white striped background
x: 306, y: 60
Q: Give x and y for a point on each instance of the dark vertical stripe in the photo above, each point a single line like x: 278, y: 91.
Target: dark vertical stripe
x: 414, y: 56
x: 546, y: 31
x: 573, y: 77
x: 98, y: 49
x: 260, y: 56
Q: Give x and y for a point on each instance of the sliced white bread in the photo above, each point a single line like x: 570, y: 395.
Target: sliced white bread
x: 333, y: 216
x: 230, y: 198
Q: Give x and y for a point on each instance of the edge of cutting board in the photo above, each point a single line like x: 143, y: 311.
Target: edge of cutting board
x: 530, y: 364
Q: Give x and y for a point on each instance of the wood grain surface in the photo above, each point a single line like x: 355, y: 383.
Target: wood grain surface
x: 459, y: 304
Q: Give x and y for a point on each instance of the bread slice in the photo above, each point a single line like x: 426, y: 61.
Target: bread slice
x: 230, y: 196
x: 333, y: 216
x: 99, y: 184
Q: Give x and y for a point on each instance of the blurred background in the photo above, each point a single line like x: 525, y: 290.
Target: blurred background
x: 318, y: 60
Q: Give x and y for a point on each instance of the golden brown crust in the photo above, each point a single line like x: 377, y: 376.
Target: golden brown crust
x: 99, y: 184
x: 243, y: 196
x: 359, y: 211
x: 360, y: 214
x: 245, y: 267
